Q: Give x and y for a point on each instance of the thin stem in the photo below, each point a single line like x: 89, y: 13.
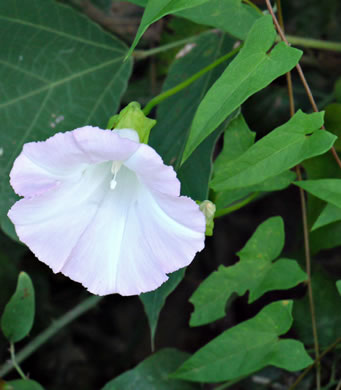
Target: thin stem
x: 317, y: 361
x: 237, y: 206
x: 288, y: 75
x: 55, y: 327
x: 309, y: 284
x: 280, y: 26
x: 292, y: 39
x: 314, y: 43
x: 301, y: 74
x: 164, y: 95
x: 141, y: 54
x: 15, y: 363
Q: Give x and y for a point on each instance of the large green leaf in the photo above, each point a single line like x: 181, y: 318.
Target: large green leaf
x: 232, y: 16
x: 248, y: 347
x: 255, y: 272
x: 280, y: 150
x: 156, y: 9
x: 175, y: 114
x: 17, y: 319
x: 238, y: 138
x: 154, y: 301
x: 58, y: 71
x: 252, y: 70
x: 152, y: 374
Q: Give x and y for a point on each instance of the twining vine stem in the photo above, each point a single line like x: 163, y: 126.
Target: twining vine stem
x: 280, y: 28
x: 316, y: 362
x: 55, y: 327
x: 301, y: 74
x: 164, y: 95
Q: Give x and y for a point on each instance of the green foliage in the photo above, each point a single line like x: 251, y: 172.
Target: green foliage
x: 175, y: 114
x: 328, y: 215
x: 232, y: 16
x: 154, y: 301
x: 282, y: 149
x: 67, y: 71
x: 17, y: 319
x: 327, y: 304
x: 333, y: 122
x: 22, y: 384
x: 252, y: 70
x: 238, y: 138
x: 248, y: 347
x: 338, y: 286
x: 255, y: 272
x: 156, y: 9
x: 328, y: 190
x: 152, y: 373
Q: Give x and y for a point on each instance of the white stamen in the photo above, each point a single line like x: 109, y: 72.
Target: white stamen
x: 116, y: 165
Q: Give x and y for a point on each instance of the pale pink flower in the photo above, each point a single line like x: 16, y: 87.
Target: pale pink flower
x: 103, y: 209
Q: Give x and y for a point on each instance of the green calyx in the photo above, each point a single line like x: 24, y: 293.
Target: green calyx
x: 132, y: 117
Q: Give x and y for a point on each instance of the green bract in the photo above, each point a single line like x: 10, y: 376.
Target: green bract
x: 132, y: 117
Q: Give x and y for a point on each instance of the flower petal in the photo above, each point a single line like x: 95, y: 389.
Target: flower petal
x: 42, y: 165
x: 121, y: 238
x: 151, y: 170
x: 51, y: 223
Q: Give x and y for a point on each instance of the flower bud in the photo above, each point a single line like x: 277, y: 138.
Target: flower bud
x: 132, y: 117
x: 208, y: 209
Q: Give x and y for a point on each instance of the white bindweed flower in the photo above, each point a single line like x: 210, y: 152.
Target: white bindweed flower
x: 103, y: 209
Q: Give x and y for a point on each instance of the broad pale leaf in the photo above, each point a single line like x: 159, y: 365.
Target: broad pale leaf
x: 248, y: 347
x: 154, y: 301
x: 338, y: 286
x: 58, y: 71
x: 252, y: 70
x: 152, y: 374
x: 288, y: 145
x: 254, y: 272
x: 17, y: 319
x: 156, y: 9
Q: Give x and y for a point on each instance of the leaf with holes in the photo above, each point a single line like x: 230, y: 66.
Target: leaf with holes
x: 58, y: 71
